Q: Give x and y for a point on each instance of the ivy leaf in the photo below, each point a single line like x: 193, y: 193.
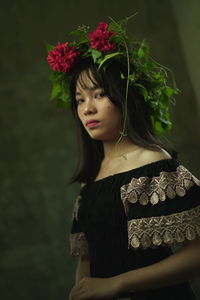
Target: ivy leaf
x: 107, y: 57
x: 65, y: 91
x: 143, y: 91
x: 158, y: 127
x: 132, y: 77
x: 177, y: 91
x: 87, y: 53
x: 120, y: 26
x: 117, y: 39
x: 169, y: 91
x: 122, y: 133
x: 62, y: 104
x: 140, y: 52
x: 49, y: 47
x: 82, y: 35
x: 81, y: 30
x: 116, y: 27
x: 65, y: 99
x: 77, y: 32
x: 56, y: 90
x: 96, y: 55
x: 159, y: 77
x: 125, y: 20
x: 83, y: 40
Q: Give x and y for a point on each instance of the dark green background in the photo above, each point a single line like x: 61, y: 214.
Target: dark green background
x: 38, y: 145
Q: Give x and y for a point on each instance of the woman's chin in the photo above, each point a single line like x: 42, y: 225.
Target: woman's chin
x: 104, y: 137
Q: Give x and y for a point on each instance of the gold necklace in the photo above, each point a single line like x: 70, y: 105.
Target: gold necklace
x: 124, y: 156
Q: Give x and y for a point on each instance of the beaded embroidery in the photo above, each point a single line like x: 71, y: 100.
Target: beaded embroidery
x: 76, y: 208
x: 155, y: 189
x: 78, y: 244
x: 162, y: 230
x: 156, y: 231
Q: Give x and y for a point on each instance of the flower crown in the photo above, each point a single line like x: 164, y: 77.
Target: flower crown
x: 111, y: 42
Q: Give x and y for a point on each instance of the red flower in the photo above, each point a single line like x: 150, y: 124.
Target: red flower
x: 99, y: 38
x: 62, y: 58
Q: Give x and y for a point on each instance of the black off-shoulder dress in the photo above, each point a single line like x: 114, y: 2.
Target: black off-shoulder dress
x: 131, y: 219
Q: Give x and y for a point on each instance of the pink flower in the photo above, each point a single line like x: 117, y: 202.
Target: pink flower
x: 99, y: 38
x: 62, y: 58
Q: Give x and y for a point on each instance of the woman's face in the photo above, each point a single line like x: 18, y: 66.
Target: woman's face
x: 99, y: 116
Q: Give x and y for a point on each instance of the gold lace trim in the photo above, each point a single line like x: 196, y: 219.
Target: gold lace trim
x: 154, y: 189
x: 78, y: 244
x: 76, y: 208
x: 156, y: 231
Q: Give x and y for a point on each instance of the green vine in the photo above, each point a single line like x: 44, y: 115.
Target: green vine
x: 149, y: 78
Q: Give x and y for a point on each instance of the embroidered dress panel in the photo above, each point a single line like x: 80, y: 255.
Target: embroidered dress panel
x: 156, y: 231
x: 130, y: 220
x: 167, y: 184
x: 79, y: 244
x: 161, y: 230
x: 76, y: 208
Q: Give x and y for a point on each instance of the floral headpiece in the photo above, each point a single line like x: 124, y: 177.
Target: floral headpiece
x: 110, y: 41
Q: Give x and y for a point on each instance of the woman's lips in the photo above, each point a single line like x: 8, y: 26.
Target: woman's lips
x: 92, y: 124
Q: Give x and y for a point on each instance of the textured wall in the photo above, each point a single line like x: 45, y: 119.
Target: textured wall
x: 38, y: 147
x: 188, y: 20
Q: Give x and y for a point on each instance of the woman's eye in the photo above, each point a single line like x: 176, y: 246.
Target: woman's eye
x: 79, y: 101
x: 100, y: 95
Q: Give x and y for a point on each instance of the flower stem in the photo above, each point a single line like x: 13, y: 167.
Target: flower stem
x: 122, y: 133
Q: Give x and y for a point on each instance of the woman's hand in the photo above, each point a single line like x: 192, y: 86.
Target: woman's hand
x: 95, y: 288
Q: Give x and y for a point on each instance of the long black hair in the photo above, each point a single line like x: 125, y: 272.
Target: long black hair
x: 139, y: 125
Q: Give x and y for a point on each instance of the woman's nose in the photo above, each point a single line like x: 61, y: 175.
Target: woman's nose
x: 89, y: 108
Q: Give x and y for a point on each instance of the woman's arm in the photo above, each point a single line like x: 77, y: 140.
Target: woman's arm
x: 82, y: 271
x: 83, y: 268
x: 179, y: 267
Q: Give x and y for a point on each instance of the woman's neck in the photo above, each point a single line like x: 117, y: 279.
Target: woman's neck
x: 113, y: 150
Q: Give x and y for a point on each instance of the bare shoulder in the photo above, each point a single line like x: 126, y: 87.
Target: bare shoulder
x: 149, y: 156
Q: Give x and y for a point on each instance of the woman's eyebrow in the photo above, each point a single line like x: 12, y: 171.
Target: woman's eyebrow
x: 89, y: 89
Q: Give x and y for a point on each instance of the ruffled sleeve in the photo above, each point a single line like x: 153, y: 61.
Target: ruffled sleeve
x: 163, y: 206
x: 78, y: 242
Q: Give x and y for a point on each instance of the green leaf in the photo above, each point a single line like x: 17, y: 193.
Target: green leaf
x: 56, y: 76
x: 157, y: 76
x: 56, y: 90
x: 132, y: 77
x: 83, y: 40
x: 49, y: 47
x: 82, y: 30
x: 77, y: 32
x: 120, y: 26
x: 177, y: 91
x: 65, y: 97
x: 125, y: 20
x: 62, y: 104
x: 65, y: 91
x: 109, y: 56
x: 158, y: 127
x: 122, y: 133
x: 140, y: 53
x: 143, y: 90
x: 169, y: 91
x: 116, y: 27
x: 122, y: 76
x: 96, y: 55
x: 86, y: 53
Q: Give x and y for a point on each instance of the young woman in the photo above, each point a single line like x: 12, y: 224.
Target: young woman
x: 136, y: 199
